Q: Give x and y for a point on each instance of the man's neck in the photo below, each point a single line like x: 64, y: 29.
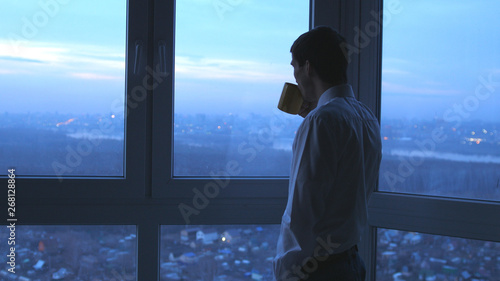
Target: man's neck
x: 321, y: 87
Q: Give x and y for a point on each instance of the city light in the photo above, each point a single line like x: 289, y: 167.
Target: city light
x: 65, y: 122
x: 476, y: 140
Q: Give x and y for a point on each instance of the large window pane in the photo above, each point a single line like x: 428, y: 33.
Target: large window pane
x: 218, y: 252
x: 62, y: 72
x: 86, y: 252
x: 232, y: 59
x: 409, y: 256
x: 440, y: 79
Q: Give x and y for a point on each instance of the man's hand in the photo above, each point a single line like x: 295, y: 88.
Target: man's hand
x: 307, y: 107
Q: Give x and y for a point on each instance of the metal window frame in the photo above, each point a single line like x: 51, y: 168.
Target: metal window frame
x: 463, y: 218
x: 51, y: 190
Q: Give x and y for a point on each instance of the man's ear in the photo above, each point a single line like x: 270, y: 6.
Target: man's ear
x: 309, y: 70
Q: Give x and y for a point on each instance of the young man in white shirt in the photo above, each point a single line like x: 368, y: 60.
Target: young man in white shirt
x: 335, y: 164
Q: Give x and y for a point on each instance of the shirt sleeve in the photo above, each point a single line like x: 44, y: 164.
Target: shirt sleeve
x: 312, y: 178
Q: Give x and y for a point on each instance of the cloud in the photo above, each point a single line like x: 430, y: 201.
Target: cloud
x: 31, y: 52
x: 100, y: 63
x: 394, y: 71
x: 394, y: 60
x: 403, y: 89
x: 20, y: 59
x: 6, y: 71
x: 225, y: 69
x: 59, y: 59
x: 95, y: 76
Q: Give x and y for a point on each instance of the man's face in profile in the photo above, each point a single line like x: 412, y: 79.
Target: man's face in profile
x: 299, y: 72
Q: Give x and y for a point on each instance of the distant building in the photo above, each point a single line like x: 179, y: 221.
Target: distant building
x: 188, y: 258
x: 189, y: 234
x: 256, y: 276
x: 231, y: 235
x: 413, y: 238
x: 207, y: 236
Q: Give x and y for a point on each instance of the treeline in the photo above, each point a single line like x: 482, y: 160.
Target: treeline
x: 441, y: 178
x: 43, y: 152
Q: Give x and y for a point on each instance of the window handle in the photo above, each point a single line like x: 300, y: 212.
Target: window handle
x: 162, y: 50
x: 138, y: 52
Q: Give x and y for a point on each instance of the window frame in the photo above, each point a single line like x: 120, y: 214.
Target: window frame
x: 164, y: 184
x: 454, y: 217
x: 52, y: 189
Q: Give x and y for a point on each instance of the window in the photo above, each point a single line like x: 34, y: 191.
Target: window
x: 63, y: 78
x: 225, y: 120
x: 71, y: 75
x: 439, y: 112
x: 439, y: 171
x: 403, y: 255
x: 226, y: 93
x: 231, y: 252
x: 54, y: 252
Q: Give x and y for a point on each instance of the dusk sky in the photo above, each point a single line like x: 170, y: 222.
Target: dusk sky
x: 430, y: 65
x: 73, y: 59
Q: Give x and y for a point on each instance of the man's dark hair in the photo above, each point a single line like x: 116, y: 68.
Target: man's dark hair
x: 322, y: 47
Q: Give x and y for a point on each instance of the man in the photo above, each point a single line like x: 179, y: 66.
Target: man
x: 335, y: 164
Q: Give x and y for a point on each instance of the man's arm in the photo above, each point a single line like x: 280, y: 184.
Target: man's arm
x: 313, y: 176
x: 311, y: 179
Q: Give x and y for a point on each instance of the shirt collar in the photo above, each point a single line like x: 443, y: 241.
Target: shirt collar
x: 339, y: 91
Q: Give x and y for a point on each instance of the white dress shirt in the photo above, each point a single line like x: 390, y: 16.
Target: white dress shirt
x: 335, y: 165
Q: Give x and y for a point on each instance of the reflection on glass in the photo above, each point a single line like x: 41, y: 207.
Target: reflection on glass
x: 440, y: 125
x: 218, y: 252
x: 415, y: 256
x: 231, y: 61
x: 88, y: 252
x: 62, y: 71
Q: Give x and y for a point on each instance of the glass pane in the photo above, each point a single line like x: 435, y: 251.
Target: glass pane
x: 440, y: 79
x: 62, y: 71
x: 76, y: 252
x: 218, y: 252
x: 232, y: 59
x: 409, y: 256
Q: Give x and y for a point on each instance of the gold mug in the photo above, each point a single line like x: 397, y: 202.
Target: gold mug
x: 291, y: 99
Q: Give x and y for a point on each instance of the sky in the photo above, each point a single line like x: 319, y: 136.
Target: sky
x: 233, y: 56
x: 439, y: 64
